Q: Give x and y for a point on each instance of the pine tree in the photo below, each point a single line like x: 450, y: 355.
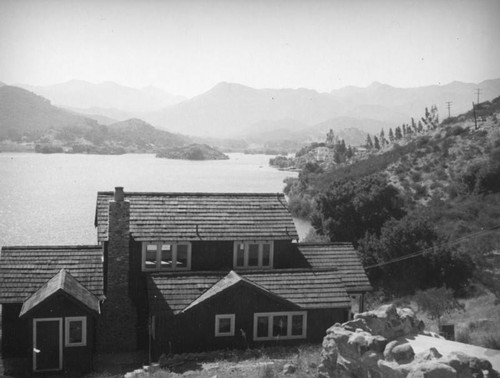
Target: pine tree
x: 399, y: 134
x: 369, y: 143
x: 376, y: 143
x: 420, y: 127
x: 391, y: 135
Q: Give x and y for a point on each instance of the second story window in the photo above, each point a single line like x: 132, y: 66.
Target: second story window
x: 166, y: 256
x: 248, y: 255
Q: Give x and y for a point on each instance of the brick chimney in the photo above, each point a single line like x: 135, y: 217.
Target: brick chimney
x: 118, y: 320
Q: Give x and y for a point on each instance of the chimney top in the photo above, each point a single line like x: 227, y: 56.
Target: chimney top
x: 119, y: 194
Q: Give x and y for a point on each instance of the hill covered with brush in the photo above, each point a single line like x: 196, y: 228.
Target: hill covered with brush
x: 423, y: 207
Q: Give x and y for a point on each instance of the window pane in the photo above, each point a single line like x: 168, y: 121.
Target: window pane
x: 150, y: 262
x: 240, y: 255
x: 166, y: 257
x: 224, y: 325
x: 262, y: 326
x: 151, y: 247
x: 280, y: 325
x: 297, y: 322
x: 182, y: 256
x: 253, y: 255
x: 266, y: 254
x: 75, y: 331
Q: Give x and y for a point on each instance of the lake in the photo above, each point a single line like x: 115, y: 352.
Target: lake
x: 50, y: 199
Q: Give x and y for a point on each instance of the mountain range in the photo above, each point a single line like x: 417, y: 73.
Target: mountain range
x: 106, y: 97
x: 235, y: 111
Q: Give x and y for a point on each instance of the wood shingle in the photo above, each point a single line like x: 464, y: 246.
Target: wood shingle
x: 341, y: 256
x: 306, y: 288
x: 65, y: 282
x: 24, y: 270
x: 202, y: 216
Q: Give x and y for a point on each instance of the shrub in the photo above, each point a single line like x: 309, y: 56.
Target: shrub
x: 416, y: 176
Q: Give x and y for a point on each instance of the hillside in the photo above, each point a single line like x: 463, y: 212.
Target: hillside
x: 24, y: 112
x: 425, y: 191
x: 32, y: 121
x: 106, y: 95
x: 230, y: 109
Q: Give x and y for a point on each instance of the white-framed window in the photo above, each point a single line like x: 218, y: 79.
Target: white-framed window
x: 279, y: 325
x: 224, y: 325
x: 75, y: 331
x: 166, y: 256
x: 253, y: 254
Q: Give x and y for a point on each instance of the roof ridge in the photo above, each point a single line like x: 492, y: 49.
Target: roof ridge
x: 51, y: 247
x: 189, y: 273
x: 246, y: 194
x: 324, y: 243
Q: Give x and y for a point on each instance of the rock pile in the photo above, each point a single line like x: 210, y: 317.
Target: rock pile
x: 375, y: 345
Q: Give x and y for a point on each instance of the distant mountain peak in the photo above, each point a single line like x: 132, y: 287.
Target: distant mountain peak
x: 378, y: 85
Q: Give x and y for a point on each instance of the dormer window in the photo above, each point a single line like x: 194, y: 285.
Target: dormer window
x: 255, y: 254
x: 166, y: 256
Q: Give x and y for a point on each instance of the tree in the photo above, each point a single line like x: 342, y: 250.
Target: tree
x: 434, y: 265
x: 391, y: 135
x: 350, y: 208
x: 399, y: 134
x: 369, y: 143
x: 437, y: 302
x: 376, y: 143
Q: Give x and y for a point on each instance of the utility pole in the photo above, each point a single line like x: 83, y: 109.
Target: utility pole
x: 449, y: 107
x: 478, y: 91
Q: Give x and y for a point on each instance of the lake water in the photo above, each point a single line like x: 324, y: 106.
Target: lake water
x: 50, y: 199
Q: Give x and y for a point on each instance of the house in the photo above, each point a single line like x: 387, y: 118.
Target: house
x: 175, y: 272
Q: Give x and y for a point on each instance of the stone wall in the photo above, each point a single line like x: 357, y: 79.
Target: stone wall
x: 375, y: 345
x: 117, y: 330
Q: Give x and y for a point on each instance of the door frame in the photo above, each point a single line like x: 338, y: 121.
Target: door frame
x: 39, y: 320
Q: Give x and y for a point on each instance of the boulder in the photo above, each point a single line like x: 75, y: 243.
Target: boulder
x: 375, y: 345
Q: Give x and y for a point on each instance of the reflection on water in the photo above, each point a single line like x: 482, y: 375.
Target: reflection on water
x: 50, y: 199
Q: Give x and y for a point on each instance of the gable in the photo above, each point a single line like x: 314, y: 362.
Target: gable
x: 23, y: 270
x: 202, y: 216
x: 231, y: 281
x: 305, y: 289
x: 62, y: 282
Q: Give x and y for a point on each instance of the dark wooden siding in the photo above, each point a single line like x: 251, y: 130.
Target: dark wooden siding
x: 195, y: 329
x: 287, y: 255
x: 212, y: 255
x: 75, y: 359
x: 318, y: 321
x: 138, y: 293
x: 15, y: 332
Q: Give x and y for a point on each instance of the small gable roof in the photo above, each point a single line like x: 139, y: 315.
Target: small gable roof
x: 341, y: 256
x: 23, y: 270
x: 61, y: 282
x: 305, y: 288
x: 202, y: 216
x: 227, y: 282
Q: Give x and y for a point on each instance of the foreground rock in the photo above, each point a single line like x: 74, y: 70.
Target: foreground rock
x: 192, y: 152
x: 375, y: 344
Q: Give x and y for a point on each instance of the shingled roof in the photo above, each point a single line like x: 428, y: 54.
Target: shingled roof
x: 341, y: 256
x: 24, y: 270
x: 62, y: 282
x: 306, y: 288
x: 202, y: 216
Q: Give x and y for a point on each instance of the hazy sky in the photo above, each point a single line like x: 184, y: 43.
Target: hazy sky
x: 186, y: 47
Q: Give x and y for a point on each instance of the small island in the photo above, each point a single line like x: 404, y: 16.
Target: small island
x: 192, y: 152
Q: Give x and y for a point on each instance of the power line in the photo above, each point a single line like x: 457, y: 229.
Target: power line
x: 422, y: 251
x: 449, y: 107
x: 478, y: 91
